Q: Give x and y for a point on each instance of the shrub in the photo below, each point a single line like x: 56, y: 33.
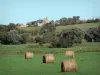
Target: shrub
x: 67, y: 38
x: 92, y: 35
x: 14, y: 37
x: 27, y: 38
x: 47, y: 32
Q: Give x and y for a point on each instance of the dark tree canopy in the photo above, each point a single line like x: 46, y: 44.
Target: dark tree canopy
x: 68, y: 37
x: 92, y: 35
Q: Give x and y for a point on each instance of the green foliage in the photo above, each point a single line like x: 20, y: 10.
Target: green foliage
x: 11, y: 26
x: 47, y: 28
x: 92, y: 35
x: 13, y: 37
x: 47, y: 32
x: 46, y: 45
x: 35, y: 32
x: 99, y: 27
x: 69, y: 21
x: 63, y: 21
x: 48, y: 37
x: 67, y: 38
x: 3, y: 37
x: 55, y: 41
x: 38, y: 39
x: 93, y: 20
x: 27, y: 38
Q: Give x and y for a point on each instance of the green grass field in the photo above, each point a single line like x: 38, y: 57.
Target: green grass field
x: 83, y: 27
x: 24, y: 47
x: 88, y: 64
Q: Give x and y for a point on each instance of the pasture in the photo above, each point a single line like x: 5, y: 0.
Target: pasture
x: 12, y: 63
x: 88, y: 64
x: 92, y: 46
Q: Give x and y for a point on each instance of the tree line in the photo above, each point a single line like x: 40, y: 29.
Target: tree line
x: 68, y: 21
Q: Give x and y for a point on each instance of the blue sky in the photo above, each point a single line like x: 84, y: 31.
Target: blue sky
x: 23, y: 11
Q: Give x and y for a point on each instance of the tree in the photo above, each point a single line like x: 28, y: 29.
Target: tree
x: 47, y: 28
x: 97, y: 20
x: 74, y: 19
x: 52, y: 22
x: 11, y: 26
x: 13, y: 37
x: 78, y: 17
x: 70, y: 21
x: 92, y: 35
x: 47, y: 32
x: 63, y: 21
x: 70, y: 37
x: 67, y: 38
x: 3, y: 37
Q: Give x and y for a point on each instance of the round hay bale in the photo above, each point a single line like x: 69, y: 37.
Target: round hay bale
x: 68, y: 66
x: 28, y: 55
x: 48, y: 58
x: 70, y: 53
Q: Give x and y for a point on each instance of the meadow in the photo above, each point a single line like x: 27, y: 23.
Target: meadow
x: 15, y: 64
x: 88, y: 64
x: 85, y: 46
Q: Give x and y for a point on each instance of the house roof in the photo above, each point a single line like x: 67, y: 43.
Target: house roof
x: 39, y: 21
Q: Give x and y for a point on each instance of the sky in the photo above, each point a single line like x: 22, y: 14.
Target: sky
x: 23, y: 11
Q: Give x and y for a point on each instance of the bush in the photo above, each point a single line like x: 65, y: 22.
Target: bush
x: 47, y: 33
x: 92, y: 35
x: 14, y: 37
x: 27, y: 38
x: 47, y: 45
x: 38, y: 39
x: 67, y: 38
x: 3, y: 37
x: 47, y: 28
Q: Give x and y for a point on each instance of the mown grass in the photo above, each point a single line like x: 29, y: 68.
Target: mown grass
x: 88, y: 64
x: 25, y: 47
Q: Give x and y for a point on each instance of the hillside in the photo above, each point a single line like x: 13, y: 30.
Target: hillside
x: 83, y: 27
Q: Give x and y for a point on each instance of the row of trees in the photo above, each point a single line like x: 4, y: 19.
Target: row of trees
x: 68, y: 21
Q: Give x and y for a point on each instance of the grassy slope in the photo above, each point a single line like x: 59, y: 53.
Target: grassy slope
x: 88, y: 64
x: 84, y: 27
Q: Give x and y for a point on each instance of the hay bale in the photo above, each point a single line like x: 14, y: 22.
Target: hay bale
x: 28, y: 55
x: 70, y: 53
x: 68, y: 66
x: 48, y: 58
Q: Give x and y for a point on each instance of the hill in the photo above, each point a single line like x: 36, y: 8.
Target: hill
x: 83, y: 27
